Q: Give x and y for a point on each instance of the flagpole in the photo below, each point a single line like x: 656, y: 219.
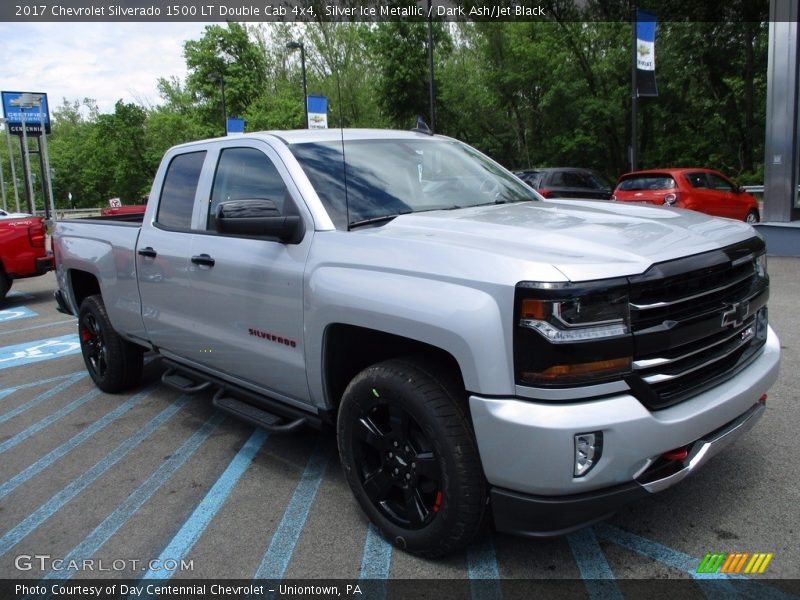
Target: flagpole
x: 634, y: 134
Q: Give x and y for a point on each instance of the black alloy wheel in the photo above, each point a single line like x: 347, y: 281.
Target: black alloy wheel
x: 410, y: 456
x: 398, y: 466
x: 94, y: 348
x: 114, y: 363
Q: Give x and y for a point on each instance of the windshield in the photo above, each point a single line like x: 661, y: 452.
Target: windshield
x: 391, y: 177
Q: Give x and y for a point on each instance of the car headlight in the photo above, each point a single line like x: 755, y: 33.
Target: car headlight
x: 568, y: 334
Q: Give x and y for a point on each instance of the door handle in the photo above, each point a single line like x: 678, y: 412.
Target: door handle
x: 148, y: 252
x: 203, y: 259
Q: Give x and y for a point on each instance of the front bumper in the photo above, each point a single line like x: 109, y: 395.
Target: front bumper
x: 527, y: 447
x: 547, y: 516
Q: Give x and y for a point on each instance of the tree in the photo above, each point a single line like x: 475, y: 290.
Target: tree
x: 399, y: 50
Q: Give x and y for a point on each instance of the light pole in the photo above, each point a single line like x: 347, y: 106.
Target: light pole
x: 295, y: 46
x: 11, y: 161
x: 431, y: 92
x: 219, y: 78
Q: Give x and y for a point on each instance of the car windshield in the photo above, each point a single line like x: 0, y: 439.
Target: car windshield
x: 389, y: 177
x: 646, y: 182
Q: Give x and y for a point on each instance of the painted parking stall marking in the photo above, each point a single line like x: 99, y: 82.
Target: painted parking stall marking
x: 281, y: 548
x: 55, y: 454
x: 12, y: 314
x: 7, y: 416
x: 52, y: 506
x: 103, y: 532
x: 209, y: 506
x: 39, y: 350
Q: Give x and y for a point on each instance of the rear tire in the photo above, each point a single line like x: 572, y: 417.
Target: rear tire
x: 752, y: 217
x: 410, y: 457
x: 114, y: 364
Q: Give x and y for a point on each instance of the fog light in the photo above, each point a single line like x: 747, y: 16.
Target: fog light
x: 588, y: 449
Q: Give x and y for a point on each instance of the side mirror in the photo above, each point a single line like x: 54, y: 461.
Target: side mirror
x: 257, y: 217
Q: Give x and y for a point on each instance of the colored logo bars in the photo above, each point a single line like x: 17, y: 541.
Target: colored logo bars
x: 734, y: 562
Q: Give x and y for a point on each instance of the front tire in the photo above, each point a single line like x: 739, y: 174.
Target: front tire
x: 410, y: 457
x: 114, y: 364
x: 752, y: 217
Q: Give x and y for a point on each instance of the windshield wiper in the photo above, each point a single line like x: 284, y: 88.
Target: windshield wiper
x: 371, y: 220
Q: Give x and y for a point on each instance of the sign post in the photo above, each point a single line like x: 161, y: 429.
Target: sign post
x: 11, y: 161
x: 18, y: 122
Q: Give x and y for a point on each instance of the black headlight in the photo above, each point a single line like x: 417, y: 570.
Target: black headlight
x: 571, y: 334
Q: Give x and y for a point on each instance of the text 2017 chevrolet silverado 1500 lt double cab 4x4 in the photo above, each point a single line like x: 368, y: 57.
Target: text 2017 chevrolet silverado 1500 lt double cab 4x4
x: 472, y: 344
x: 23, y: 251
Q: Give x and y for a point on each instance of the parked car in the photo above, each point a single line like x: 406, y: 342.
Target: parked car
x: 131, y: 209
x: 23, y: 251
x: 568, y: 183
x: 474, y: 346
x: 703, y: 190
x: 4, y: 214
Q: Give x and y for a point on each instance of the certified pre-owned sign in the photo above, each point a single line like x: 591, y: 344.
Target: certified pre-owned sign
x: 30, y: 108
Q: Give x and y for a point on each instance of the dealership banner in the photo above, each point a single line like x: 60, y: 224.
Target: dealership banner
x: 317, y: 112
x: 645, y: 54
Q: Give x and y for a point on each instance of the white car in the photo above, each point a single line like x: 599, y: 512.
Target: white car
x: 7, y: 215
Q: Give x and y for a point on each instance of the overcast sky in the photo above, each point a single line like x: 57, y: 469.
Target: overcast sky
x: 104, y: 61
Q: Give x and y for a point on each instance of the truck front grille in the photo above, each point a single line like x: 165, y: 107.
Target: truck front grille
x: 696, y: 322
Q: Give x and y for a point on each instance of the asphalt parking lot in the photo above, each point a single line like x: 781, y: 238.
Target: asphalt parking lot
x: 152, y: 475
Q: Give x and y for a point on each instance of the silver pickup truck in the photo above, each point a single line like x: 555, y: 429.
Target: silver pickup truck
x: 473, y: 345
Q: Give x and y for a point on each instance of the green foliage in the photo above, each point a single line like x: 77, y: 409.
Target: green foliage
x: 526, y: 93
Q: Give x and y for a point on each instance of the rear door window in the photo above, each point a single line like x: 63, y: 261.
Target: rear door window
x: 176, y: 204
x: 698, y: 181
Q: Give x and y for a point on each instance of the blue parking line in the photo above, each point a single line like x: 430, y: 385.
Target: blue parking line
x: 12, y: 314
x: 39, y: 350
x: 103, y: 532
x: 40, y: 398
x: 376, y: 564
x: 9, y: 486
x: 42, y: 326
x: 688, y: 564
x: 598, y: 578
x: 47, y: 421
x: 39, y: 382
x: 52, y: 506
x: 483, y: 572
x: 284, y: 540
x: 376, y: 559
x: 198, y: 521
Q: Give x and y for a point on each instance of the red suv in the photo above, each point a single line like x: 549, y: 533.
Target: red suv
x: 703, y: 190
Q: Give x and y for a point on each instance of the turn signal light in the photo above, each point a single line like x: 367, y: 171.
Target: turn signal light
x: 580, y: 371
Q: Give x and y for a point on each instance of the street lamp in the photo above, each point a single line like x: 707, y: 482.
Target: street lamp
x: 219, y: 78
x: 294, y: 46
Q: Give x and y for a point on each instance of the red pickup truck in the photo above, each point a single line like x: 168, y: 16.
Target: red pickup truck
x: 23, y: 250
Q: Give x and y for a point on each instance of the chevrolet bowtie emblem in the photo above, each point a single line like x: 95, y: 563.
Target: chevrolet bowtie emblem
x: 736, y: 314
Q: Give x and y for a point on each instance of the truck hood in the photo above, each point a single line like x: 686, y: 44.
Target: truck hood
x: 583, y: 239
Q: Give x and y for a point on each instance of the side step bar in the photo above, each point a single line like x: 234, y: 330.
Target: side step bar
x: 172, y: 378
x: 261, y: 411
x: 254, y: 415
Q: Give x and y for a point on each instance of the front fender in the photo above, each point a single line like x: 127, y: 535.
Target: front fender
x: 469, y: 323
